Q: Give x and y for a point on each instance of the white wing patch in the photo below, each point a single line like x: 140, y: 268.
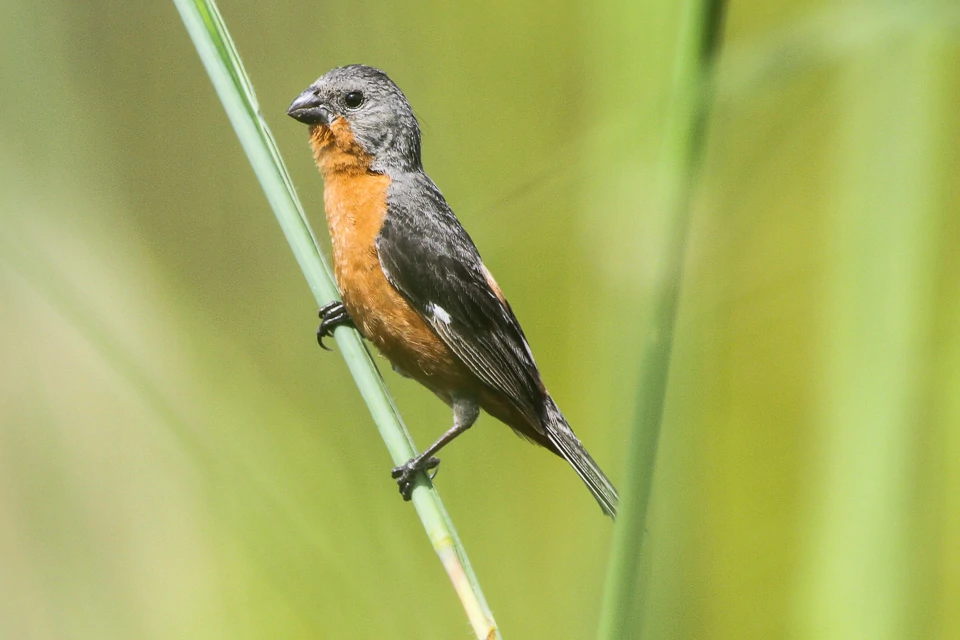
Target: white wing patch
x: 439, y: 313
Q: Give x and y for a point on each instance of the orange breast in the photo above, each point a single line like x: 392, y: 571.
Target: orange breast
x: 355, y: 199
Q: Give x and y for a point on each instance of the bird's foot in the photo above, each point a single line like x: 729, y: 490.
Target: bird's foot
x: 332, y: 315
x: 406, y: 474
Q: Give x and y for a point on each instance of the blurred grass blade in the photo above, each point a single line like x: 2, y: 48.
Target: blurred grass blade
x: 216, y: 49
x: 684, y: 137
x: 858, y: 579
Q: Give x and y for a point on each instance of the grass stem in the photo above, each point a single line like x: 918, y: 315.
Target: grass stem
x: 220, y: 58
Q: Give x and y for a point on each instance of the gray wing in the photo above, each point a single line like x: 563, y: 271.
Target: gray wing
x: 428, y: 256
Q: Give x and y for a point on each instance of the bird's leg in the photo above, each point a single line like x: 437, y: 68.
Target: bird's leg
x: 465, y: 413
x: 332, y: 315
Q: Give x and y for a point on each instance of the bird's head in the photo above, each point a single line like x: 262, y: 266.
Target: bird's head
x: 357, y: 110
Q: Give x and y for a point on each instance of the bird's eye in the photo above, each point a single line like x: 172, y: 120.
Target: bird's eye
x: 353, y: 100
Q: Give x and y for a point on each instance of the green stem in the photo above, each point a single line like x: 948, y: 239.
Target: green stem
x: 883, y: 261
x: 684, y: 139
x: 219, y: 56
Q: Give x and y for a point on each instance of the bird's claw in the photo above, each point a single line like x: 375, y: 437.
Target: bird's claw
x: 406, y: 474
x: 332, y: 315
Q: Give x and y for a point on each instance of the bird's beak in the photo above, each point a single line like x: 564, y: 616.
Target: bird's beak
x: 308, y: 109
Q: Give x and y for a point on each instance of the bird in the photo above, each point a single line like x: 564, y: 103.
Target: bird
x: 412, y: 281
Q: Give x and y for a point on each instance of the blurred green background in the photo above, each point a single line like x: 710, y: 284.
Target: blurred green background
x: 179, y: 460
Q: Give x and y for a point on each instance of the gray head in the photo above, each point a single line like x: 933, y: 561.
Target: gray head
x: 378, y: 114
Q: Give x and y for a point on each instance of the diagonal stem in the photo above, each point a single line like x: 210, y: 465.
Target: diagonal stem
x: 220, y: 58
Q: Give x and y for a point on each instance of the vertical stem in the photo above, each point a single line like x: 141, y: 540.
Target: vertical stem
x: 684, y: 139
x: 882, y: 269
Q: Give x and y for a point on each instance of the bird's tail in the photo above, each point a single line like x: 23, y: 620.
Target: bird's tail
x: 562, y: 437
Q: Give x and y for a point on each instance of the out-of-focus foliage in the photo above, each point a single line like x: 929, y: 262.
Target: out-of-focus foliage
x: 178, y: 459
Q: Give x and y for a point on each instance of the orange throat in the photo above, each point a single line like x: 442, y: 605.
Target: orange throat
x: 355, y: 200
x: 335, y: 150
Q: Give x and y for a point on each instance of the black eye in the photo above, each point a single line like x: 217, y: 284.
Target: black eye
x: 353, y: 100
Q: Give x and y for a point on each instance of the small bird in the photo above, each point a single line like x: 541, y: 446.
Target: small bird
x: 411, y: 279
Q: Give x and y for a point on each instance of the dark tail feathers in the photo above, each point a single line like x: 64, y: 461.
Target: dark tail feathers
x: 562, y: 437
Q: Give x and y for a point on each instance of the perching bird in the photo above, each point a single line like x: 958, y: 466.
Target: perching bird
x: 411, y: 279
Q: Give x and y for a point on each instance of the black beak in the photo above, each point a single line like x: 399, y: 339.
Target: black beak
x: 308, y: 109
